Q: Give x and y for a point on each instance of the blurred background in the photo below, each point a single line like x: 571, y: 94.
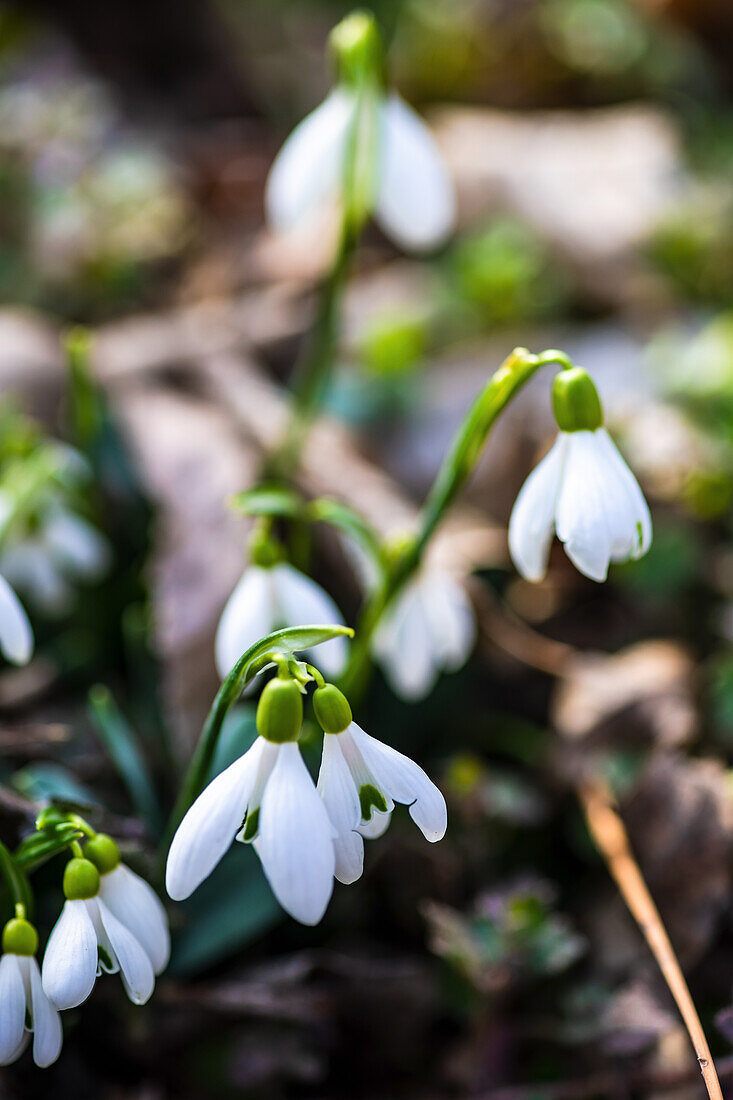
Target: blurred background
x: 591, y: 145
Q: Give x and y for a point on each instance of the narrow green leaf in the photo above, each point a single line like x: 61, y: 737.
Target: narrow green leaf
x: 268, y: 500
x: 122, y: 746
x: 37, y: 849
x: 45, y: 782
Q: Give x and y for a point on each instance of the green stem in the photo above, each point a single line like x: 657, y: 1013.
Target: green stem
x: 15, y: 880
x: 455, y: 470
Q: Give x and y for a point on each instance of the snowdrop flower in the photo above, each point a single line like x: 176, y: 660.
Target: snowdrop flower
x: 24, y: 1007
x: 582, y: 489
x: 268, y: 798
x: 268, y: 597
x: 131, y: 900
x: 400, y: 171
x: 430, y: 627
x: 361, y: 779
x: 89, y: 939
x: 64, y: 550
x: 16, y: 633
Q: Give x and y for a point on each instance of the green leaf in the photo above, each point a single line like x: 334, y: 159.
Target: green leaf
x: 346, y: 519
x: 288, y: 642
x: 45, y: 782
x: 121, y: 744
x: 268, y: 500
x: 229, y: 910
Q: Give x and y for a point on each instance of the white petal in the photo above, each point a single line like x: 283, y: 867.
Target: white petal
x: 30, y: 567
x: 404, y: 781
x: 533, y: 515
x: 302, y: 602
x: 77, y: 545
x: 70, y: 962
x: 47, y: 1033
x: 136, y: 970
x: 403, y: 645
x: 584, y: 506
x: 16, y: 635
x: 307, y: 171
x: 12, y: 1007
x: 376, y: 826
x: 139, y: 908
x: 451, y: 617
x: 341, y: 799
x: 247, y: 617
x: 295, y: 842
x: 636, y: 508
x: 210, y: 825
x: 415, y: 203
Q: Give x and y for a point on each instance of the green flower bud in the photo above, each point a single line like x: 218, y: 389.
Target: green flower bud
x: 81, y: 880
x: 575, y: 401
x: 280, y: 711
x: 263, y: 549
x: 332, y: 709
x: 356, y: 46
x: 103, y: 852
x: 19, y: 937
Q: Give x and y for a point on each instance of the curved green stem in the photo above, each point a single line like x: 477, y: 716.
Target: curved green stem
x: 15, y: 880
x: 455, y: 470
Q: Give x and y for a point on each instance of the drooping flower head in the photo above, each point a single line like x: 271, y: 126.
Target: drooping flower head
x: 88, y: 940
x: 364, y: 147
x: 24, y: 1007
x: 16, y: 633
x: 272, y: 594
x: 361, y: 779
x: 266, y: 798
x: 582, y: 490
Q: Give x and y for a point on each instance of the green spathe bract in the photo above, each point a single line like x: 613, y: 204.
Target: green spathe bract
x: 280, y: 711
x: 575, y: 401
x: 356, y: 46
x: 332, y: 709
x: 19, y: 937
x: 81, y: 880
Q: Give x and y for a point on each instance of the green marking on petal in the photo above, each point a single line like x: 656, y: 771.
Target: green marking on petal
x: 369, y: 796
x: 252, y: 821
x: 640, y: 533
x: 105, y: 959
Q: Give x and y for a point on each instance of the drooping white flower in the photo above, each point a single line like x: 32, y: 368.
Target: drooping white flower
x: 429, y: 628
x: 267, y: 797
x: 24, y: 1007
x: 16, y: 633
x: 131, y: 900
x: 411, y: 193
x: 269, y: 597
x: 584, y: 491
x: 64, y: 550
x: 88, y: 940
x: 360, y: 780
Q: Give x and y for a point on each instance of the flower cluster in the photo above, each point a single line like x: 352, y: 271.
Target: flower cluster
x: 305, y: 836
x: 111, y: 922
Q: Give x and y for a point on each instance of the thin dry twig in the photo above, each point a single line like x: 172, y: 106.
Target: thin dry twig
x: 609, y: 834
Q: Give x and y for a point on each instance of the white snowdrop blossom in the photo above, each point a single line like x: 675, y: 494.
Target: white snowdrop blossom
x: 361, y: 779
x: 16, y: 633
x: 269, y: 597
x: 429, y: 628
x: 88, y: 940
x: 582, y: 490
x: 411, y: 192
x: 64, y: 550
x: 266, y: 797
x: 24, y: 1007
x: 131, y: 900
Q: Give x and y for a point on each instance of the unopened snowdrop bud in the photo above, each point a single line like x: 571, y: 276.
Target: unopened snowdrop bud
x: 131, y: 900
x: 88, y: 939
x: 280, y: 711
x: 582, y: 490
x: 332, y: 709
x: 24, y: 1007
x: 575, y: 401
x: 356, y: 46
